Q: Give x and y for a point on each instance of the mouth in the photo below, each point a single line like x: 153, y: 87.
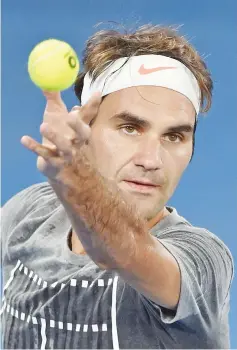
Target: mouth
x: 141, y: 187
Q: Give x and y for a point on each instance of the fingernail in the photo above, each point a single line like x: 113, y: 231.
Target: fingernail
x: 75, y: 108
x: 24, y: 141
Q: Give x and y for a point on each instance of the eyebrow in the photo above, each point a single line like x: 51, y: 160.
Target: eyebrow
x: 134, y: 119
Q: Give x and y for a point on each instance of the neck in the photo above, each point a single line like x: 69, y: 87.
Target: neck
x: 152, y: 222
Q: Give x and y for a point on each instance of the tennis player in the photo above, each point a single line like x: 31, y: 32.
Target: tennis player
x: 93, y: 258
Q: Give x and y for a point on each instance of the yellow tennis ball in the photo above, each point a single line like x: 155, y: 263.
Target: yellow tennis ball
x: 53, y: 65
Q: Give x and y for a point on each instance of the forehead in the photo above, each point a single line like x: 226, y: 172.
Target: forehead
x: 149, y: 101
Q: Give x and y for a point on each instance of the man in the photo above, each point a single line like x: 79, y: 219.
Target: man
x: 94, y: 258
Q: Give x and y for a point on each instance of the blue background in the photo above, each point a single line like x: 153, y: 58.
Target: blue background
x: 207, y: 192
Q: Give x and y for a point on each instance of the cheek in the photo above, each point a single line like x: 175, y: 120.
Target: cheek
x: 177, y: 163
x: 106, y: 143
x: 183, y: 156
x: 109, y: 152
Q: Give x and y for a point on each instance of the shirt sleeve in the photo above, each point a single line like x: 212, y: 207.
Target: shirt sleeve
x: 20, y: 206
x: 206, y: 268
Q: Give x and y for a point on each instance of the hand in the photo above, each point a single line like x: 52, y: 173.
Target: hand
x: 63, y: 133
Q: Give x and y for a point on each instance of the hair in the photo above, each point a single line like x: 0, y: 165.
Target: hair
x: 105, y: 46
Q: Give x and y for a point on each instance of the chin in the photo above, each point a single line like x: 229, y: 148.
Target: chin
x: 147, y: 207
x: 147, y: 213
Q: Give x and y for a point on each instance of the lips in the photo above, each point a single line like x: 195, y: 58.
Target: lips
x: 142, y: 182
x: 142, y: 187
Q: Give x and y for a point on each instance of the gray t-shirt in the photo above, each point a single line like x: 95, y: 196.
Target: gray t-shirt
x: 55, y: 299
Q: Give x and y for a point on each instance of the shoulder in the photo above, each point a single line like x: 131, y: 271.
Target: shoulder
x: 200, y: 239
x: 34, y: 201
x: 29, y: 199
x: 181, y: 232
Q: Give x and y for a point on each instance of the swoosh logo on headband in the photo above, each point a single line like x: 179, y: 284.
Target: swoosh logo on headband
x: 142, y: 70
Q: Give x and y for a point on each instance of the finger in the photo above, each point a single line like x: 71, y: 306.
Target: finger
x: 81, y: 129
x: 54, y: 102
x: 75, y: 108
x: 63, y: 142
x: 37, y: 148
x: 90, y: 110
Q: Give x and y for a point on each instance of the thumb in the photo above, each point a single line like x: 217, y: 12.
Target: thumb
x: 54, y: 102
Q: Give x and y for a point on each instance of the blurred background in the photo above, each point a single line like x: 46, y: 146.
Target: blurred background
x: 207, y: 194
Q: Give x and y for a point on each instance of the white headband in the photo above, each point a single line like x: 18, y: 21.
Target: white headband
x: 153, y: 70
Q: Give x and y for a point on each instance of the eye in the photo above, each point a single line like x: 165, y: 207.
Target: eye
x: 175, y: 138
x: 128, y: 129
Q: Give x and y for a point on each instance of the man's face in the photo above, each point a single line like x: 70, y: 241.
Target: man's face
x: 152, y: 150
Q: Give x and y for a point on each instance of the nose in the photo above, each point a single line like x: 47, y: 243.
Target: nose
x: 149, y: 155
